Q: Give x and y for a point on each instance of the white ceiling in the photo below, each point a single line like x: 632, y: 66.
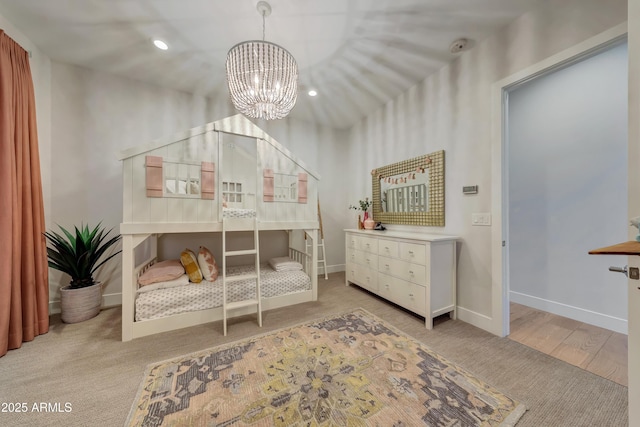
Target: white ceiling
x: 358, y: 54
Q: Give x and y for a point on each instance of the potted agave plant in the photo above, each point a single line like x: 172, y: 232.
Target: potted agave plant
x: 79, y: 255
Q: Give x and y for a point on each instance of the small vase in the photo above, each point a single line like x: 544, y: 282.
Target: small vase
x: 369, y: 224
x: 360, y: 224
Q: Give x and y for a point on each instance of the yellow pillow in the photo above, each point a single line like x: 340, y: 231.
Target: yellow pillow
x: 190, y: 263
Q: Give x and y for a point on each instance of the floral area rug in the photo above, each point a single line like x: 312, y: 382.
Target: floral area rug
x: 348, y: 370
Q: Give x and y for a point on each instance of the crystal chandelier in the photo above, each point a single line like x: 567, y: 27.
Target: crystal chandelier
x: 262, y: 76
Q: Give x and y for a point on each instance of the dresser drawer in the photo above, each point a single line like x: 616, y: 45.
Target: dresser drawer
x: 367, y: 259
x: 367, y: 244
x: 388, y: 248
x: 362, y: 243
x: 403, y: 293
x: 363, y: 276
x: 352, y: 241
x: 414, y: 252
x: 402, y: 269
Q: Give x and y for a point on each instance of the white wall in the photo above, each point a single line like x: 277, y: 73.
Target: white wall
x: 451, y: 110
x: 567, y: 151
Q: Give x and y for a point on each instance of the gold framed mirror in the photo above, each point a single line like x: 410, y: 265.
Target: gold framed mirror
x: 410, y: 192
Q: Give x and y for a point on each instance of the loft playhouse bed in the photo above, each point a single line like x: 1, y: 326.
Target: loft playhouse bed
x: 220, y: 178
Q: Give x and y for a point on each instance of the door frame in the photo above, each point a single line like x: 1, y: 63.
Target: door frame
x: 499, y: 173
x: 634, y: 206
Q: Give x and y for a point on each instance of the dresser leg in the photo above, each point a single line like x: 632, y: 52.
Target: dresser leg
x: 428, y: 322
x: 452, y: 314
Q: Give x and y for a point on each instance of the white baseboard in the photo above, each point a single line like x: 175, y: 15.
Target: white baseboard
x: 605, y: 321
x: 109, y: 300
x: 54, y: 307
x: 331, y: 269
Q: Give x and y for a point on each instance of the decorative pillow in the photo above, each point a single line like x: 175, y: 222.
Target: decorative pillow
x: 207, y: 264
x: 190, y: 263
x: 284, y: 263
x: 180, y: 281
x: 161, y: 272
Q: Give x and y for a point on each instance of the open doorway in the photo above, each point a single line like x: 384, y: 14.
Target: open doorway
x: 565, y: 192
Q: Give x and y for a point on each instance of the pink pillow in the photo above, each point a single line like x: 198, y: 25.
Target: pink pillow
x: 161, y: 272
x: 207, y: 264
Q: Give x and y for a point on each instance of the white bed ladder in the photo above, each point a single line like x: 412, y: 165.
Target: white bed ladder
x: 257, y: 301
x: 321, y: 260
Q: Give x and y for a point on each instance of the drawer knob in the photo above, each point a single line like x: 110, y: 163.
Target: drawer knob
x: 386, y: 266
x: 411, y: 272
x: 411, y: 295
x: 410, y: 252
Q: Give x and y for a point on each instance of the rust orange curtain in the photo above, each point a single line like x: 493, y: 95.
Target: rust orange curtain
x: 24, y: 287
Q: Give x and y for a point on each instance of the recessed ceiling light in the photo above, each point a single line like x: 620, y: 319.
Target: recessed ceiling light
x: 312, y: 92
x: 160, y: 44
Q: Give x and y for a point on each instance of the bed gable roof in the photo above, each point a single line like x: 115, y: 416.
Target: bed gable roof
x: 237, y: 124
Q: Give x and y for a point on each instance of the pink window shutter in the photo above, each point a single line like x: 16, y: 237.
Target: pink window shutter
x: 267, y: 185
x: 302, y: 187
x: 208, y: 177
x: 153, y: 165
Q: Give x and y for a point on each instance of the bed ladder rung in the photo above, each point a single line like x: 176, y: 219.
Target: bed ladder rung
x: 241, y: 277
x: 227, y: 226
x: 243, y: 252
x: 240, y: 304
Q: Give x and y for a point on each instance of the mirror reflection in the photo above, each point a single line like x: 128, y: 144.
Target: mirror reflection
x: 406, y: 192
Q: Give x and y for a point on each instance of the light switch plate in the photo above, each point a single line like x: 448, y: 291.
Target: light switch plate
x: 470, y: 189
x: 480, y: 219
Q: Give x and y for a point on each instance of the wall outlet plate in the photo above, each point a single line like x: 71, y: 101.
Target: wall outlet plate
x: 634, y: 273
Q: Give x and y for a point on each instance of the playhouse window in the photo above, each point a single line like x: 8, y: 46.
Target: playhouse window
x: 181, y: 179
x: 232, y: 191
x: 285, y: 187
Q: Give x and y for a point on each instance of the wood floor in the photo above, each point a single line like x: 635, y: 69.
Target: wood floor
x: 594, y: 349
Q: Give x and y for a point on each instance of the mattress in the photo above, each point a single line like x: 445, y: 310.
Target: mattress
x: 204, y: 295
x: 238, y: 213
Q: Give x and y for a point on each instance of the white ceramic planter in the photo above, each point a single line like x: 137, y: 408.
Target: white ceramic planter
x: 78, y: 305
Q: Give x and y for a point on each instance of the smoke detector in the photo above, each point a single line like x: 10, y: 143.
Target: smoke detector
x: 458, y: 45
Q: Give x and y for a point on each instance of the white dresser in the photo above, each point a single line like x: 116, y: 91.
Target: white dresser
x: 416, y: 271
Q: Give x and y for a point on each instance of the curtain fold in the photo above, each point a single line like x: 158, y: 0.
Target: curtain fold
x: 24, y: 282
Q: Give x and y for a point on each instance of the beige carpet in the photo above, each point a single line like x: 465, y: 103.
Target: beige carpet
x: 352, y: 369
x: 87, y: 366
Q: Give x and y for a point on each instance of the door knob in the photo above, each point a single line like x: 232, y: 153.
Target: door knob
x: 619, y: 270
